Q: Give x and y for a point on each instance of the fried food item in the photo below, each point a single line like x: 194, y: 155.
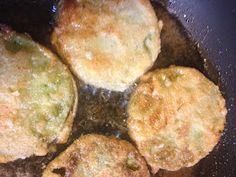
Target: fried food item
x: 98, y: 156
x: 109, y: 43
x: 38, y: 98
x: 176, y: 117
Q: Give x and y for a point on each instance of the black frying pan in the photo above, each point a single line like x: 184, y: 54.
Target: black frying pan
x: 211, y: 48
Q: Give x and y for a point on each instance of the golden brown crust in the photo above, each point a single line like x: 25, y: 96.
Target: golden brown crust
x: 108, y: 44
x: 176, y: 117
x: 98, y: 156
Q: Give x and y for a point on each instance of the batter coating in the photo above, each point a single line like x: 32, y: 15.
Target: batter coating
x: 176, y: 117
x: 98, y: 156
x: 108, y: 43
x: 38, y: 98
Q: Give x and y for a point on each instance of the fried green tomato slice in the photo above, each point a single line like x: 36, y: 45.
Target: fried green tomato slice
x: 176, y: 117
x: 37, y: 98
x: 108, y: 43
x: 98, y: 156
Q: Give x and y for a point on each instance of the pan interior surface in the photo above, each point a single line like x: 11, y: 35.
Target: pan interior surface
x: 99, y: 110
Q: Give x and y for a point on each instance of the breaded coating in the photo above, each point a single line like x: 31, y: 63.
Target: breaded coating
x: 37, y: 98
x: 108, y: 43
x: 98, y: 156
x: 176, y: 117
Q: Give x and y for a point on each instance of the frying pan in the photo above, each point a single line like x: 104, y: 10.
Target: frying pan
x: 201, y: 34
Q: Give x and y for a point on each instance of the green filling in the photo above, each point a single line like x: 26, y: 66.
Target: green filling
x: 197, y: 135
x: 197, y: 138
x: 13, y: 45
x: 41, y: 64
x: 168, y: 78
x: 57, y: 110
x: 173, y: 77
x: 17, y: 43
x: 46, y: 90
x: 148, y: 44
x: 132, y: 163
x: 51, y: 102
x: 36, y: 58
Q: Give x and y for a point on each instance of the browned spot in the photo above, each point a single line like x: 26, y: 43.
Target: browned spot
x: 183, y: 130
x: 72, y: 163
x: 64, y: 19
x: 157, y: 121
x: 187, y: 157
x: 73, y: 12
x: 99, y: 62
x: 5, y: 110
x: 5, y: 116
x: 143, y: 104
x: 109, y: 28
x: 145, y: 2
